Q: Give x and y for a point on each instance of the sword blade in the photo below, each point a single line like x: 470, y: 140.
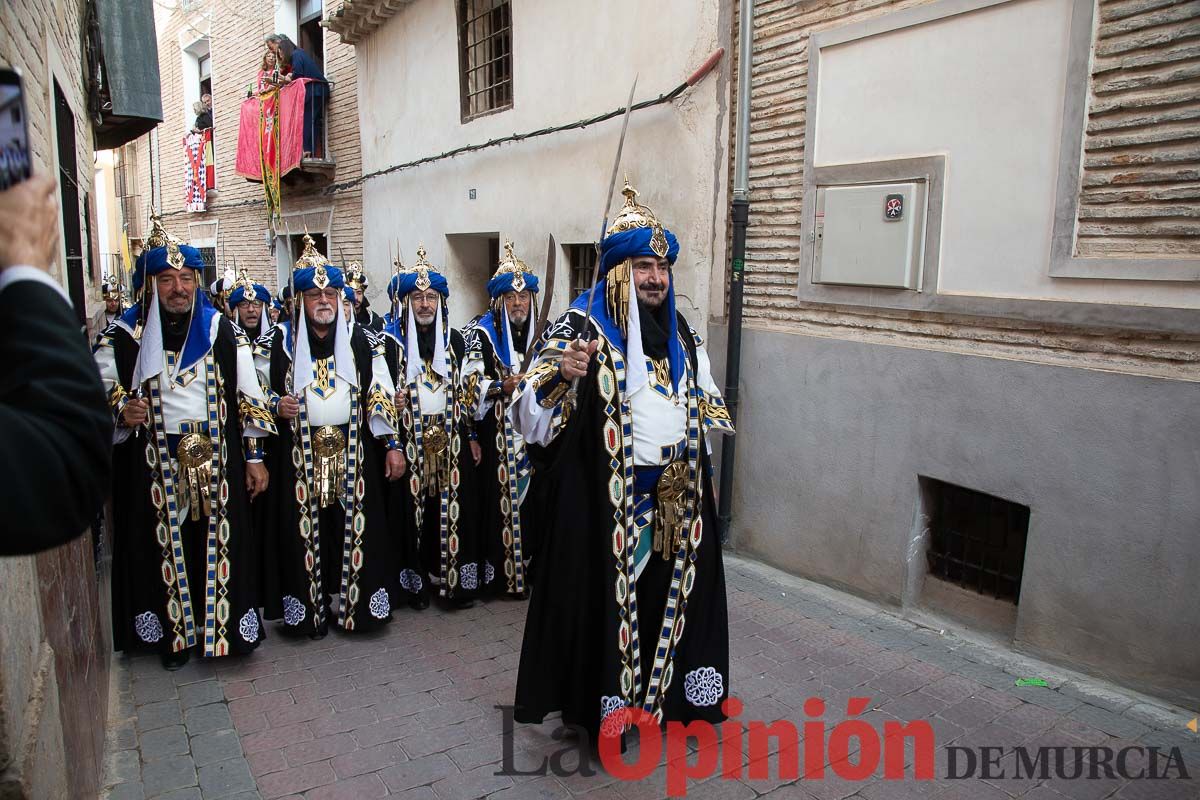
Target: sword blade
x: 543, y: 317
x: 612, y: 184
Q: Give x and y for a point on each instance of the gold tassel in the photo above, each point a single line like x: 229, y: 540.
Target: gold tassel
x: 616, y: 295
x: 668, y: 517
x: 437, y: 465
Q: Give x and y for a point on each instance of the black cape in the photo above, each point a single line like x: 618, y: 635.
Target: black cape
x: 509, y: 527
x: 583, y: 622
x: 358, y: 564
x: 442, y: 547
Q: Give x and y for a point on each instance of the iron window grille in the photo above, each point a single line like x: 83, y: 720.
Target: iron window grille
x: 209, y: 256
x: 485, y: 57
x: 126, y: 176
x: 976, y: 541
x: 583, y: 263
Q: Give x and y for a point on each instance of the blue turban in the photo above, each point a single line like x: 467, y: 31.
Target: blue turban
x: 406, y: 283
x: 154, y: 261
x: 275, y: 304
x: 503, y: 283
x: 304, y: 279
x: 632, y: 243
x: 286, y: 292
x: 349, y: 290
x: 261, y: 294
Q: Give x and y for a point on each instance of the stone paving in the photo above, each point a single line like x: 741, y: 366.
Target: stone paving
x: 410, y: 711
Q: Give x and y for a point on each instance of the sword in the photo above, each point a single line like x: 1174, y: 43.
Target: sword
x: 543, y: 318
x: 584, y: 336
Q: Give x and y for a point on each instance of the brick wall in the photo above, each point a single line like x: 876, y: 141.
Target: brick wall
x: 26, y: 28
x: 53, y: 633
x: 1141, y: 169
x: 236, y: 34
x: 777, y: 118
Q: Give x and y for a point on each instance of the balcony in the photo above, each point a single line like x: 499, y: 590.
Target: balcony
x: 124, y: 97
x: 284, y: 133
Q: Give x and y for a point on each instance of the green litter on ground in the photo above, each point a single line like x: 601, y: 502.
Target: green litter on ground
x: 1031, y: 682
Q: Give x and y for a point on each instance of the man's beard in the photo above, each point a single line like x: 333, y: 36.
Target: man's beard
x: 177, y: 303
x: 644, y: 290
x: 426, y: 321
x: 322, y: 317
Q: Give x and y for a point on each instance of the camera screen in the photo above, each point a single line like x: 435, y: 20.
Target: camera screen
x: 14, y: 143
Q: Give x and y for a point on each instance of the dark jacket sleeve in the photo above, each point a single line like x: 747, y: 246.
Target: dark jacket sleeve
x: 303, y: 66
x: 55, y: 425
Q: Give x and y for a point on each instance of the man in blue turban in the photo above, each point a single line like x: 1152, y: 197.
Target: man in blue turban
x: 497, y: 341
x: 182, y: 386
x: 630, y: 550
x: 249, y: 303
x: 113, y: 294
x: 325, y: 528
x: 357, y: 282
x: 439, y: 507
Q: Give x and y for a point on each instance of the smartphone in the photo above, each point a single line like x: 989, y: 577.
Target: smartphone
x: 14, y: 130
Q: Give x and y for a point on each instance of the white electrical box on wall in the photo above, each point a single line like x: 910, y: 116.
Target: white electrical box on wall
x: 870, y: 235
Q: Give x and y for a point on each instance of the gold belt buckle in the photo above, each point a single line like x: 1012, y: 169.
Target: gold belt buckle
x: 671, y: 492
x: 328, y: 441
x: 435, y: 441
x: 328, y: 445
x: 195, y: 454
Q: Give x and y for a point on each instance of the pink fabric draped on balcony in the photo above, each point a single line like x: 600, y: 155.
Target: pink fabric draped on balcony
x: 259, y: 114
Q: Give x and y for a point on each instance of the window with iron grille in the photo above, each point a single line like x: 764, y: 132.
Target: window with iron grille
x: 209, y: 256
x: 126, y: 174
x: 976, y: 541
x: 484, y: 56
x: 582, y: 258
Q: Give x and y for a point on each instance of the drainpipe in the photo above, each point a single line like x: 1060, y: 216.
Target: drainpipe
x: 741, y: 216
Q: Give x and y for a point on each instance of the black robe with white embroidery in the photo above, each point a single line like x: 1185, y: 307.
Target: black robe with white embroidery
x: 308, y: 555
x: 597, y: 639
x: 213, y: 607
x: 443, y: 541
x: 508, y: 524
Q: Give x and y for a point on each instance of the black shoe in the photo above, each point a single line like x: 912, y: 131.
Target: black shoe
x: 459, y: 603
x: 418, y: 602
x: 322, y: 629
x: 173, y: 661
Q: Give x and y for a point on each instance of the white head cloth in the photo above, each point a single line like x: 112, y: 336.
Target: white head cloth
x: 413, y: 350
x: 343, y: 356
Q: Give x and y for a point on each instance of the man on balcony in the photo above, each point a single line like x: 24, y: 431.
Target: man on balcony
x: 316, y: 92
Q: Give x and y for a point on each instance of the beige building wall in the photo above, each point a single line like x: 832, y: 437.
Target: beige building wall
x: 571, y: 61
x: 54, y: 646
x: 236, y: 222
x: 1051, y: 360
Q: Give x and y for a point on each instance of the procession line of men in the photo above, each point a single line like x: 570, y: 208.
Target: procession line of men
x: 333, y: 464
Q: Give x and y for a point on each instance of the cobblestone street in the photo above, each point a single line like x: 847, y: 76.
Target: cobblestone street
x: 410, y: 712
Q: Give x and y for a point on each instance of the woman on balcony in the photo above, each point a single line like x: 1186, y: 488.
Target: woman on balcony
x: 270, y: 76
x: 316, y: 92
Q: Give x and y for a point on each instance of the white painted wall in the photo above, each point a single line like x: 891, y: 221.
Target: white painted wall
x: 571, y: 60
x: 986, y: 89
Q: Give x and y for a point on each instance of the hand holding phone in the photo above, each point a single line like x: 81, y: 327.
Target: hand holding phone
x: 14, y: 131
x: 28, y: 208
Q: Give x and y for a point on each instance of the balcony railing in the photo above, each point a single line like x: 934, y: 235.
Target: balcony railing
x: 317, y: 159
